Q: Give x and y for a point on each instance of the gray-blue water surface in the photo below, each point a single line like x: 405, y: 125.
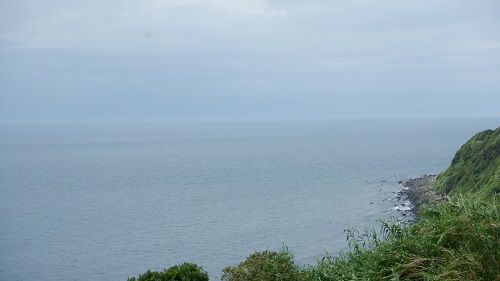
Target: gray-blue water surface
x: 106, y: 202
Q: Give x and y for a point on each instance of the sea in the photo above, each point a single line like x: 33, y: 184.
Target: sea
x: 110, y: 201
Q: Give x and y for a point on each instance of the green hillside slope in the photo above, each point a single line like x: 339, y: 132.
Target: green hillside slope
x: 475, y: 167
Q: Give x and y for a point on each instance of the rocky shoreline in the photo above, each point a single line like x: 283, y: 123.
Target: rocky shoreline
x: 418, y: 191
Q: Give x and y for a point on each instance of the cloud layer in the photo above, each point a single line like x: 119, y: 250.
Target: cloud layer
x: 197, y: 60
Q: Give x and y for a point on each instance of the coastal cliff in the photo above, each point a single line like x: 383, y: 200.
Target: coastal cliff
x: 475, y: 167
x: 453, y: 239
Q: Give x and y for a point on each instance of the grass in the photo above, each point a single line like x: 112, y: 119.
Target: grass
x: 457, y: 240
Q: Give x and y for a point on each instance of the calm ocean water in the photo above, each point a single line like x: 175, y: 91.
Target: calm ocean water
x: 106, y: 202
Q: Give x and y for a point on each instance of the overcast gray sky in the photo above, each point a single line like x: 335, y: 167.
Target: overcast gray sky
x: 233, y: 60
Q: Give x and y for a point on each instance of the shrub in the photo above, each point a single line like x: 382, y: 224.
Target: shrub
x: 267, y: 265
x: 181, y: 272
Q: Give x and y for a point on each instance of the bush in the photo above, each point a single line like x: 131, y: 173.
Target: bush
x: 267, y: 265
x: 181, y: 272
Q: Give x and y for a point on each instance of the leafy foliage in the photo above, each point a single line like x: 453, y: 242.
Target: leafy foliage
x: 267, y: 265
x: 182, y: 272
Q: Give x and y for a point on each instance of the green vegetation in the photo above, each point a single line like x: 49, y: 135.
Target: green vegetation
x: 457, y: 239
x: 267, y: 265
x: 181, y: 272
x: 475, y: 167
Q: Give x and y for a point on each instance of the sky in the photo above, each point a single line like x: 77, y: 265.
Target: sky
x: 247, y: 60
